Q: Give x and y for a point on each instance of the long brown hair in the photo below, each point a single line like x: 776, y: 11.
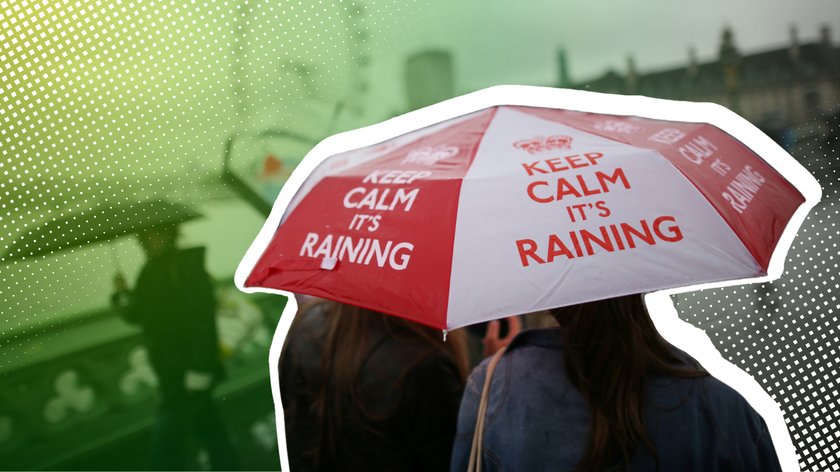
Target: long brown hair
x: 610, y: 348
x: 352, y: 336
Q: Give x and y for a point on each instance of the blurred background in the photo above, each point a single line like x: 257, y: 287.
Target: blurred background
x: 105, y: 105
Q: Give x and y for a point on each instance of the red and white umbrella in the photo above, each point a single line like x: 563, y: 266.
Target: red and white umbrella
x: 512, y: 209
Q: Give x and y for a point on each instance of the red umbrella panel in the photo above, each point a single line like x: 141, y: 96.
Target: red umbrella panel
x: 514, y: 209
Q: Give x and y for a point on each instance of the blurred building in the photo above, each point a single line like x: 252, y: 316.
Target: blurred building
x: 429, y: 78
x: 782, y: 86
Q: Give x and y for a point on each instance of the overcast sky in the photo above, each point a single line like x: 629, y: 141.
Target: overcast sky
x: 496, y: 41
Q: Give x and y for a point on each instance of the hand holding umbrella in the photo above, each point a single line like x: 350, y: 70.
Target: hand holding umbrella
x: 493, y: 342
x: 120, y: 285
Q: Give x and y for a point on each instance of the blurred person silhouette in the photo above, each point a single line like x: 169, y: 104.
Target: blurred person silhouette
x: 603, y: 392
x: 364, y: 391
x: 174, y: 303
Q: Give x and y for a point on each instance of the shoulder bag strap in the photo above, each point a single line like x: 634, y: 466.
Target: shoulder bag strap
x: 478, y: 435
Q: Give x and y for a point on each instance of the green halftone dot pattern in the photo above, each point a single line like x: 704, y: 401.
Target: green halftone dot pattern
x: 125, y: 101
x: 101, y: 102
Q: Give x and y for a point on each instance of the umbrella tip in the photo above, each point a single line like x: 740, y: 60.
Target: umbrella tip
x: 444, y: 335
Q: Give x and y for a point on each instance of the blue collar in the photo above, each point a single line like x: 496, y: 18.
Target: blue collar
x: 551, y: 338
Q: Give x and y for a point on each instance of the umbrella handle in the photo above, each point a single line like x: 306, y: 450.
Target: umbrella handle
x: 115, y: 257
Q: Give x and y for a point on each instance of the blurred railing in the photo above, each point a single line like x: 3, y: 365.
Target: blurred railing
x: 83, y: 396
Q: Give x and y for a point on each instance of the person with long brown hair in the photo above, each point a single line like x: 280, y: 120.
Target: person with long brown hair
x: 366, y: 391
x: 603, y: 392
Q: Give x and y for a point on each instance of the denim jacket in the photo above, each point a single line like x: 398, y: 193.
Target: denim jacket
x: 537, y: 420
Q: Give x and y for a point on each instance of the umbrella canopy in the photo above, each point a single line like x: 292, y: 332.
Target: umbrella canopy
x: 514, y: 209
x: 101, y: 223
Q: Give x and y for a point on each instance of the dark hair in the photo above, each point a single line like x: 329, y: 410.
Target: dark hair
x: 610, y: 348
x: 353, y: 334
